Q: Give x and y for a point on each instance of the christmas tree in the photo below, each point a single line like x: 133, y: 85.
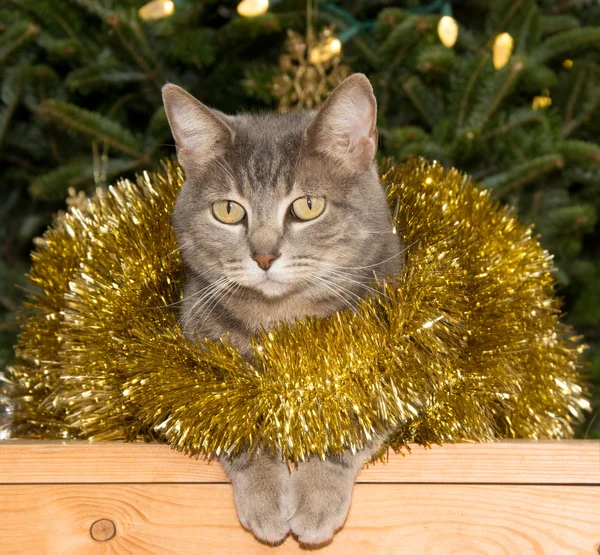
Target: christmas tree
x: 507, y: 91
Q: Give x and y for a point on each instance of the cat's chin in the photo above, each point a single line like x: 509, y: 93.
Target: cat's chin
x: 273, y: 289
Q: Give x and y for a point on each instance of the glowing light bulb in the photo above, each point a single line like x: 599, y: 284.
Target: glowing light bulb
x: 156, y: 9
x: 503, y: 47
x: 252, y: 8
x: 448, y: 31
x: 326, y: 51
x: 541, y: 102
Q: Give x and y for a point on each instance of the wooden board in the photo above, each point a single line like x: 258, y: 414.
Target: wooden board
x: 516, y: 497
x: 385, y: 518
x: 523, y: 462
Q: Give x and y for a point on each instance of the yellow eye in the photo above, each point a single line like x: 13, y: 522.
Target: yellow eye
x: 308, y: 208
x: 228, y: 211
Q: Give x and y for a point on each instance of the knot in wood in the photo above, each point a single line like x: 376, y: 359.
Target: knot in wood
x: 103, y: 530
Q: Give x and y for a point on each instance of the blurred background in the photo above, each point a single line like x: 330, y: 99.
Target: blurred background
x: 506, y: 90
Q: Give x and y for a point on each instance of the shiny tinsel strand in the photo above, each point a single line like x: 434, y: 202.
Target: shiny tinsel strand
x: 467, y: 347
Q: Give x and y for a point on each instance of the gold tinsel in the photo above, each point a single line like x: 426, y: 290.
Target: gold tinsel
x: 468, y: 347
x: 305, y: 81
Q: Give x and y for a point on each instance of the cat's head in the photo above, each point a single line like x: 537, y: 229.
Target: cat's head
x: 282, y: 204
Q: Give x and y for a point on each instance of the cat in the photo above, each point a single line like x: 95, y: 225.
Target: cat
x: 281, y: 217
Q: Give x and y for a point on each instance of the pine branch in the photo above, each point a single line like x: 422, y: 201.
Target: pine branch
x: 78, y: 175
x: 98, y: 8
x: 52, y: 19
x: 116, y: 22
x: 11, y: 95
x: 402, y: 35
x: 257, y: 81
x: 551, y: 24
x: 526, y: 27
x: 423, y: 99
x: 17, y: 36
x: 470, y: 87
x: 589, y: 108
x: 93, y: 125
x: 436, y: 59
x: 581, y: 153
x: 522, y: 174
x: 495, y: 91
x: 575, y: 93
x: 195, y: 46
x: 570, y: 219
x: 402, y: 136
x: 568, y: 41
x: 158, y: 131
x: 102, y: 74
x: 536, y: 78
x: 513, y: 8
x: 518, y: 119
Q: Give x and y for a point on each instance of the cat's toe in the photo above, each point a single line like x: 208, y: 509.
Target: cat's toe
x: 316, y: 525
x: 266, y: 528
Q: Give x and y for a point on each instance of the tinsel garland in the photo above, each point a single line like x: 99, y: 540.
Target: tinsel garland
x: 467, y: 347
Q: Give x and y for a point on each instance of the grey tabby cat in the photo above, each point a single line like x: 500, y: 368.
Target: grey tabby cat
x: 281, y: 217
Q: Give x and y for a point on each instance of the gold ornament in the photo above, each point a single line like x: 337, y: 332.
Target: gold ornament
x: 252, y: 8
x: 502, y: 50
x: 310, y: 70
x: 447, y: 31
x: 542, y: 101
x: 468, y: 347
x: 156, y: 9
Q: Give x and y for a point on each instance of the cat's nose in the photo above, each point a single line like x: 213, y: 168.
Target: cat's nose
x: 264, y: 260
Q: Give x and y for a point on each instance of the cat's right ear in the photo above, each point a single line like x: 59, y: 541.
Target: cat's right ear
x: 200, y: 133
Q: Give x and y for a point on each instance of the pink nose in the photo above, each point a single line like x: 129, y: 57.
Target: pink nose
x: 264, y: 260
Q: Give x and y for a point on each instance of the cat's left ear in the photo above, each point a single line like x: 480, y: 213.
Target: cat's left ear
x: 344, y: 128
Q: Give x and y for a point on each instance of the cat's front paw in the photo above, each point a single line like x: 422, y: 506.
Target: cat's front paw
x: 319, y: 502
x: 260, y: 512
x: 260, y: 486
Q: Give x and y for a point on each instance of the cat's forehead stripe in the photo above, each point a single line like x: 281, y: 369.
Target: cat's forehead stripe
x: 267, y: 168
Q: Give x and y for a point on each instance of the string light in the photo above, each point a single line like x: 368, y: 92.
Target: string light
x: 156, y: 9
x: 541, y: 102
x: 447, y: 30
x: 326, y: 51
x: 503, y: 46
x: 252, y: 8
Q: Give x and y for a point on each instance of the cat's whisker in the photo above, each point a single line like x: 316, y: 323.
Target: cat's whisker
x: 182, y: 246
x: 208, y: 291
x: 169, y: 305
x: 232, y: 293
x: 364, y: 233
x: 226, y: 288
x: 362, y: 285
x: 377, y: 263
x: 208, y: 303
x: 335, y: 289
x: 316, y: 265
x: 395, y: 255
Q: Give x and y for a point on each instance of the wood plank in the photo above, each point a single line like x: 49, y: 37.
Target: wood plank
x: 558, y: 462
x: 385, y: 518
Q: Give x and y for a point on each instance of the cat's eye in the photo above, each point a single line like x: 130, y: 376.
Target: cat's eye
x: 308, y: 208
x: 228, y: 211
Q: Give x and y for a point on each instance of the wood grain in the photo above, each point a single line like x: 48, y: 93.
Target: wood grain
x: 516, y: 462
x: 385, y: 518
